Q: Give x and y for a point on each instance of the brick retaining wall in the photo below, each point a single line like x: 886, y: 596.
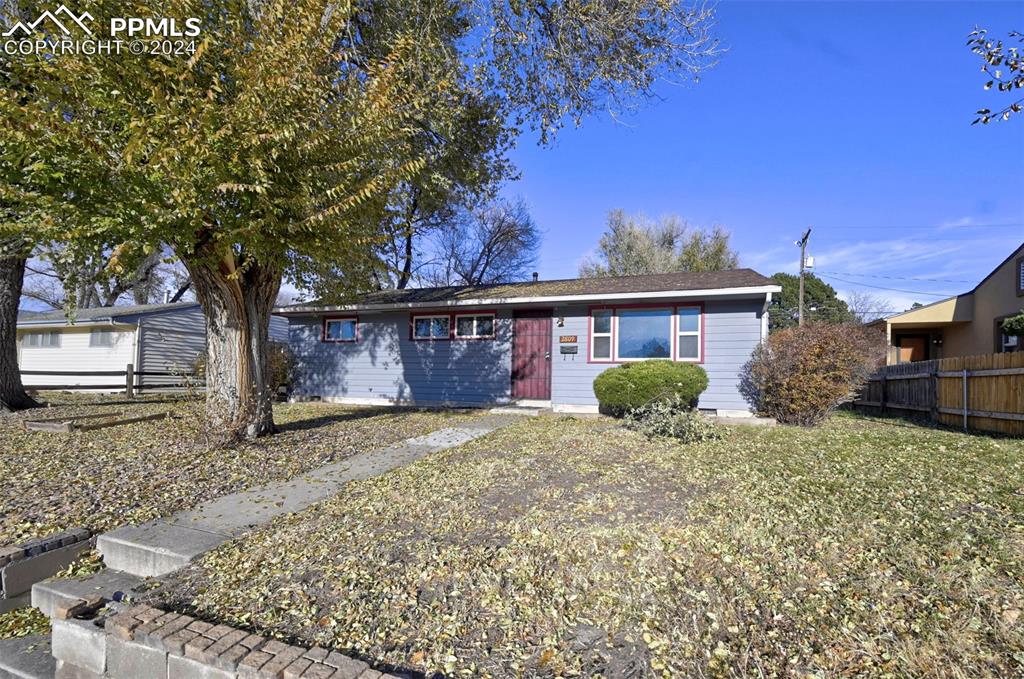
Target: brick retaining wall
x: 21, y: 566
x: 143, y: 641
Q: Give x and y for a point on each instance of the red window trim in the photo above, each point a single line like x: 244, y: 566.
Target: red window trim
x: 348, y: 317
x: 451, y: 315
x: 614, y: 308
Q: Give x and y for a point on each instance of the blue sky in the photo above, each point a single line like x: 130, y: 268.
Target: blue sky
x: 852, y: 118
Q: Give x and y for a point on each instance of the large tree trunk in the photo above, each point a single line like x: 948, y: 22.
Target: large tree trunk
x: 12, y: 393
x: 237, y: 301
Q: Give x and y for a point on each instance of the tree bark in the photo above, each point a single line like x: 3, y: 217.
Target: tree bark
x: 12, y: 393
x: 237, y: 298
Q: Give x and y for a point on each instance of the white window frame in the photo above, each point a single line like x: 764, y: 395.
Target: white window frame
x: 341, y: 319
x: 671, y: 333
x: 44, y: 342
x: 430, y: 338
x: 108, y: 333
x: 675, y: 333
x: 454, y: 328
x: 698, y: 333
x: 610, y: 335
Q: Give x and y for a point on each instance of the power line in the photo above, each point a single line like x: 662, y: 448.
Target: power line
x: 879, y: 287
x: 895, y: 278
x: 1006, y: 225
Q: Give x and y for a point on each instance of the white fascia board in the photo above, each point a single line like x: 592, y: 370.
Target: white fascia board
x: 755, y: 291
x: 64, y: 324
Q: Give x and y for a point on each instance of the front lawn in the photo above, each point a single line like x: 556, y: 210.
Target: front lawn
x: 564, y: 547
x: 133, y: 473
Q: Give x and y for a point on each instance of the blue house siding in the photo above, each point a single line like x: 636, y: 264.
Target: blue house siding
x: 385, y: 365
x: 731, y: 331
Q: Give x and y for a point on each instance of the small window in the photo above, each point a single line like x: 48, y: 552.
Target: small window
x: 1020, y: 276
x: 101, y: 337
x: 689, y: 334
x: 340, y: 329
x: 601, y: 335
x: 42, y: 339
x: 476, y: 326
x: 431, y: 327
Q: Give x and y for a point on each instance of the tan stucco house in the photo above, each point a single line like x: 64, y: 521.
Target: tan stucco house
x: 964, y: 325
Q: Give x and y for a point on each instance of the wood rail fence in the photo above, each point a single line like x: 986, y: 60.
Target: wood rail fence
x: 129, y: 383
x: 985, y: 392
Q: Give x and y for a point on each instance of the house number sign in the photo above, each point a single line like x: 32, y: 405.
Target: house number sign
x: 567, y: 339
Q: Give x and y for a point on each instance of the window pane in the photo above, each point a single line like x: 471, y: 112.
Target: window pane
x: 485, y: 325
x: 33, y: 339
x: 464, y: 326
x: 344, y: 330
x: 54, y: 339
x: 645, y: 333
x: 602, y: 347
x: 688, y: 346
x: 689, y: 320
x: 421, y: 327
x: 603, y: 321
x: 439, y: 327
x: 100, y: 338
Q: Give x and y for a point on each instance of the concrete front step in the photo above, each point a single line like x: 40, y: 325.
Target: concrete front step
x: 155, y: 548
x: 523, y: 411
x: 49, y: 594
x: 26, y: 658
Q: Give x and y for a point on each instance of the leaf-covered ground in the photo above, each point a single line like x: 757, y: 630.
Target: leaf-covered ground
x: 132, y: 473
x: 562, y: 547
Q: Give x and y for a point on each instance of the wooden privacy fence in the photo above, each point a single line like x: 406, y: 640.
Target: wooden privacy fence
x: 129, y: 381
x: 972, y: 392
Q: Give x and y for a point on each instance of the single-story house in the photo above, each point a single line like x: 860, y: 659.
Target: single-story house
x: 962, y: 325
x: 150, y: 337
x: 534, y: 343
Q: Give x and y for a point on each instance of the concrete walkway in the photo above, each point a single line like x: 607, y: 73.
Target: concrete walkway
x: 162, y: 546
x: 165, y: 545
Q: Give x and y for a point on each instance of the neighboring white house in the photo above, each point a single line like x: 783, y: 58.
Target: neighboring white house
x: 150, y: 337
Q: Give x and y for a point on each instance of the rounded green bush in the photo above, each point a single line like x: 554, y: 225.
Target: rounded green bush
x: 632, y: 385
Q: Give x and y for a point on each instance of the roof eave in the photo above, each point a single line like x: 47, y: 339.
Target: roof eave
x: 64, y: 323
x: 736, y: 292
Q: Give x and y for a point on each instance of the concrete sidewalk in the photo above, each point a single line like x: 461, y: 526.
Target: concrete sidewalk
x: 165, y: 545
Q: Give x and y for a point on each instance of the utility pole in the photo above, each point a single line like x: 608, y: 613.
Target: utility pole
x: 803, y: 261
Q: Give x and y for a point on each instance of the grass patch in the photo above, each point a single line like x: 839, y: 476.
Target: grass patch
x: 563, y: 547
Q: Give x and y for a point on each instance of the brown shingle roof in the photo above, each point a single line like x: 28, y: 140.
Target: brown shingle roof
x: 701, y: 280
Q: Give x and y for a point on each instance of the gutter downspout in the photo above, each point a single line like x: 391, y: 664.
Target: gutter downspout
x: 137, y: 352
x: 764, y: 316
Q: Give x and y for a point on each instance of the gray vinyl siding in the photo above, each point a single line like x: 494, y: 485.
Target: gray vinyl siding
x: 278, y: 329
x: 385, y: 364
x: 170, y: 342
x: 731, y: 331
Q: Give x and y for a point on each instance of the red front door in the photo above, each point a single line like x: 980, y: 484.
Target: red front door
x: 531, y: 355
